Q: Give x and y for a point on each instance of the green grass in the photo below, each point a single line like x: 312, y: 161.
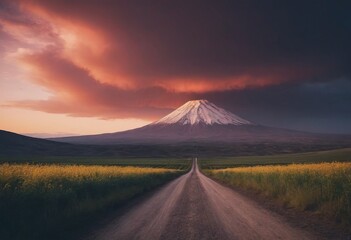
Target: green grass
x: 53, y: 201
x: 323, y: 188
x: 340, y: 155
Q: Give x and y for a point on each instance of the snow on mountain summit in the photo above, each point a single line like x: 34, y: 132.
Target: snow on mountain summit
x: 201, y: 111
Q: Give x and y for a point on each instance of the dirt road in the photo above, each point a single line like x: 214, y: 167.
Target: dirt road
x: 196, y: 207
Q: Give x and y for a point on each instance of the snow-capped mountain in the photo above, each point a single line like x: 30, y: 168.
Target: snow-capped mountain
x: 201, y: 112
x: 198, y: 121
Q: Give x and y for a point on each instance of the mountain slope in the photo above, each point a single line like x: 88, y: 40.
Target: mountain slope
x: 201, y: 112
x: 202, y: 121
x: 19, y: 148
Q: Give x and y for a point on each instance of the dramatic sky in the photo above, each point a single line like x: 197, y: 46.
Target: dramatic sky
x: 91, y: 66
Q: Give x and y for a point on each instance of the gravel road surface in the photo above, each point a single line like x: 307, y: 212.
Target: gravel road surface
x: 195, y: 207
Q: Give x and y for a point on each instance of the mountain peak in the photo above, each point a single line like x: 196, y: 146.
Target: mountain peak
x: 201, y: 112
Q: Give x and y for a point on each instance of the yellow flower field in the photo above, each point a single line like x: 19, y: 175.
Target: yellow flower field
x: 45, y: 201
x: 326, y: 169
x: 324, y: 188
x: 37, y: 173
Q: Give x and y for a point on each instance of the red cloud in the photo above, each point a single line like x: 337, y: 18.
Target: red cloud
x: 137, y: 59
x: 77, y: 93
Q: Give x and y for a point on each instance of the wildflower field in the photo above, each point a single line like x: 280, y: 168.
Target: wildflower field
x: 164, y: 162
x: 50, y: 201
x: 324, y: 188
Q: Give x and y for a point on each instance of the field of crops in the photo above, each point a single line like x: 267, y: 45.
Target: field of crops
x: 324, y: 188
x: 50, y: 201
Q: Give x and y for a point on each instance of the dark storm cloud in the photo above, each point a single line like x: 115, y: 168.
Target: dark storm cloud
x: 162, y: 41
x: 318, y: 107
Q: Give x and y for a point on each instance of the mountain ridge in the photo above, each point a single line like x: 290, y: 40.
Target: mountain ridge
x: 202, y: 121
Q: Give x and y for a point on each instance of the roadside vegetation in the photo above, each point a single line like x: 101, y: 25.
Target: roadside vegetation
x: 51, y: 201
x: 324, y: 188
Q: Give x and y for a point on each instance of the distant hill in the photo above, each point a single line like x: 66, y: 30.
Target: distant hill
x: 16, y: 146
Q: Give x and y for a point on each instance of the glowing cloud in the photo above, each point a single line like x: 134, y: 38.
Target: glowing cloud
x: 139, y: 59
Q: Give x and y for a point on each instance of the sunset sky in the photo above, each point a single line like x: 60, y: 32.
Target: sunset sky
x: 82, y: 67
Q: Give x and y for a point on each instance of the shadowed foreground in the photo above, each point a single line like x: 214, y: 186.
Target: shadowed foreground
x: 196, y: 207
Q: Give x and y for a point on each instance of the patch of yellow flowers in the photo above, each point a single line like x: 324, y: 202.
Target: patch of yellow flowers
x: 327, y: 169
x: 32, y: 174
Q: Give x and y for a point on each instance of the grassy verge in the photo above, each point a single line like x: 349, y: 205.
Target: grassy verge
x: 50, y: 201
x: 324, y: 188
